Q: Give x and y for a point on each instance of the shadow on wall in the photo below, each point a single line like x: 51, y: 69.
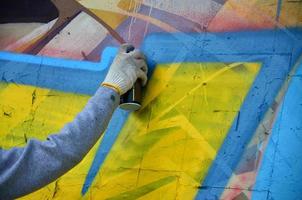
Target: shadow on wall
x: 20, y: 11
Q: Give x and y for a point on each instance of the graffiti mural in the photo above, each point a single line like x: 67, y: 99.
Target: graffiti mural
x: 221, y: 114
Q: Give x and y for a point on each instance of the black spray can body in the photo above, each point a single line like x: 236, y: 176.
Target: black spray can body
x: 132, y: 99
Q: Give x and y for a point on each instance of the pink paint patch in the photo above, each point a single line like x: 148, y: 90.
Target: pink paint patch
x: 243, y: 182
x: 7, y: 41
x: 231, y: 194
x: 58, y: 53
x: 229, y: 20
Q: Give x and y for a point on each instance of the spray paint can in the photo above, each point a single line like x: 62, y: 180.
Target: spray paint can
x: 131, y: 100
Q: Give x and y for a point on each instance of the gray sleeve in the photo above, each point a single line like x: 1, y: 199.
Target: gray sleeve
x: 24, y: 170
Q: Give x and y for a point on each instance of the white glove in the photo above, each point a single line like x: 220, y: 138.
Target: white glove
x: 127, y: 67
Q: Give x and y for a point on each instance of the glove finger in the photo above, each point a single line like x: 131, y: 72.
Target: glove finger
x: 141, y: 64
x: 142, y: 76
x: 126, y: 48
x: 137, y: 54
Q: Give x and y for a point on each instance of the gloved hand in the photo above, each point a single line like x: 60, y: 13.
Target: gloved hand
x: 128, y: 66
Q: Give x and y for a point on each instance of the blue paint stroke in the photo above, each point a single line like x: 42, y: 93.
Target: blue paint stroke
x: 114, y: 128
x: 60, y: 62
x: 55, y: 73
x: 280, y: 172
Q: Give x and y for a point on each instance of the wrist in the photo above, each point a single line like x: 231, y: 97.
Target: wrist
x: 114, y: 87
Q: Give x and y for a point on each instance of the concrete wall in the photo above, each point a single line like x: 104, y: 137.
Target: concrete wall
x: 221, y: 116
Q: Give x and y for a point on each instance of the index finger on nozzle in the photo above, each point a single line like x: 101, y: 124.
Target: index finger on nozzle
x: 126, y: 48
x: 137, y: 54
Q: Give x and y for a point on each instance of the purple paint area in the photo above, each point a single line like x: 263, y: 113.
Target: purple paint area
x: 249, y: 161
x: 135, y: 30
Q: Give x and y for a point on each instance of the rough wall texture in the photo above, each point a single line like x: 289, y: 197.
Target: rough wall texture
x: 221, y: 116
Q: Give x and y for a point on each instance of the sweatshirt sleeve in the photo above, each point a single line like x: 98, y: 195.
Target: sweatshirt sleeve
x: 24, y: 170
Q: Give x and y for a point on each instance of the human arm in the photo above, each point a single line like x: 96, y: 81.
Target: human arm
x: 24, y: 170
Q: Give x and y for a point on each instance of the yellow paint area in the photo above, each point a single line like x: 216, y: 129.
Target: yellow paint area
x: 31, y: 112
x: 165, y: 150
